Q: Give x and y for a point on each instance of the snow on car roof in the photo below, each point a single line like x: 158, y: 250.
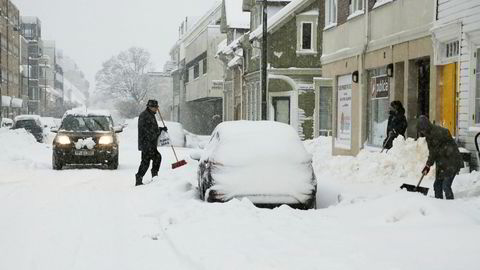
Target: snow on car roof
x: 242, y: 142
x: 87, y: 112
x: 27, y: 117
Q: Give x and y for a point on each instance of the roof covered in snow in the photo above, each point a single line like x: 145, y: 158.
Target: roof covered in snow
x: 27, y: 117
x: 82, y: 111
x: 283, y: 16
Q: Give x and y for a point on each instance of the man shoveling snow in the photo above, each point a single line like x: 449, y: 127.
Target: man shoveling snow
x: 443, y: 151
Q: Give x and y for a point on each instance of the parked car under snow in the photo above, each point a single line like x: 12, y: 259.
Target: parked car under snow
x: 263, y: 161
x: 86, y: 138
x: 32, y: 124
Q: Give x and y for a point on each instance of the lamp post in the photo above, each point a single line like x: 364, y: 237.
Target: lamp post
x: 264, y: 61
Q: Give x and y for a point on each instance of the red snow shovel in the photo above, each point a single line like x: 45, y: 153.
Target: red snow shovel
x: 179, y: 163
x: 417, y: 188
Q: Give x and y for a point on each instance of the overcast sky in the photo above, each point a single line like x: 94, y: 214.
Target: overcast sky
x: 91, y: 31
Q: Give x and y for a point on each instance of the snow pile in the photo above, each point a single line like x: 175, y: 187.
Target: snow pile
x: 374, y: 174
x: 89, y: 143
x: 19, y: 148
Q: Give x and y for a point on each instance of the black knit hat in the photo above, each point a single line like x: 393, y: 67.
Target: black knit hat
x: 152, y: 103
x: 423, y: 124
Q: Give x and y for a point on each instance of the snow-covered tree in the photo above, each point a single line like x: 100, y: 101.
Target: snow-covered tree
x: 124, y: 80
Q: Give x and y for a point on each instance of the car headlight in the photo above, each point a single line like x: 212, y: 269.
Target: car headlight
x: 105, y: 140
x: 63, y: 140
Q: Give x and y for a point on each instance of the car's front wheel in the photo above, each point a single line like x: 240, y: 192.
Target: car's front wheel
x: 56, y: 163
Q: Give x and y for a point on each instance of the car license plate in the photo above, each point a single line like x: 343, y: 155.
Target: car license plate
x: 84, y: 152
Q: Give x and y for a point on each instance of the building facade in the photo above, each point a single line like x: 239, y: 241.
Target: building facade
x: 31, y: 29
x: 456, y: 37
x: 198, y: 79
x: 11, y: 95
x: 374, y: 56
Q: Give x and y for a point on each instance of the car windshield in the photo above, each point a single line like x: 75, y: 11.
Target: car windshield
x: 86, y: 123
x: 26, y: 124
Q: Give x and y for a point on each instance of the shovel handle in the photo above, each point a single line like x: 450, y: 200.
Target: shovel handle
x: 173, y: 149
x: 419, y: 182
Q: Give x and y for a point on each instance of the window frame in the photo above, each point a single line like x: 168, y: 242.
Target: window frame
x: 353, y: 7
x: 329, y: 22
x: 302, y: 36
x: 313, y: 21
x: 477, y: 87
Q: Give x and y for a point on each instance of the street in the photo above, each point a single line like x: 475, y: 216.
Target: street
x: 89, y: 218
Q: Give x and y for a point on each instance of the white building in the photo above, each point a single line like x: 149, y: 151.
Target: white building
x: 456, y: 36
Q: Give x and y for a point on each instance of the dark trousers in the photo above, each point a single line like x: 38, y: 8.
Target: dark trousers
x: 147, y: 156
x: 443, y: 183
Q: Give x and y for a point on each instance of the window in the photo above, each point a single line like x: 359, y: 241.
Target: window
x: 355, y: 5
x: 378, y: 105
x: 331, y: 12
x: 205, y: 66
x: 307, y: 36
x: 477, y: 96
x: 196, y: 70
x: 452, y: 49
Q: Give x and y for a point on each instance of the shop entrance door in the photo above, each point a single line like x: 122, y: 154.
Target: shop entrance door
x: 449, y: 97
x: 423, y: 104
x: 281, y: 107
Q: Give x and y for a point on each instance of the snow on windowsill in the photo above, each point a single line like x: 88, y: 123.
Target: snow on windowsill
x: 355, y: 14
x: 330, y: 26
x: 306, y: 52
x: 380, y: 3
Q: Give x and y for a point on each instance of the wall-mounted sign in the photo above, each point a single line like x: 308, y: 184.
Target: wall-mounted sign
x: 380, y: 86
x: 343, y: 139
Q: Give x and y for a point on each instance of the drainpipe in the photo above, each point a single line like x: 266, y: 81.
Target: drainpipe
x: 264, y: 62
x: 362, y: 67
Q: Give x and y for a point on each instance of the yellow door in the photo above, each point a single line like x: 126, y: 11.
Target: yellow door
x: 449, y: 97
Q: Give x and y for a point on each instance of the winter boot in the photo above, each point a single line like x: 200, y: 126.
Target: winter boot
x: 138, y: 180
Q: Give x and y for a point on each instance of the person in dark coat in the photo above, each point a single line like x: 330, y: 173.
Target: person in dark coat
x: 148, y: 132
x: 443, y: 151
x: 397, y: 123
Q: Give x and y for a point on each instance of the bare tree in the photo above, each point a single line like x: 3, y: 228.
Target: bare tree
x: 124, y: 79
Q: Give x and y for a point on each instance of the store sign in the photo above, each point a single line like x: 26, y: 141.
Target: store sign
x: 343, y: 139
x: 380, y: 87
x: 217, y: 85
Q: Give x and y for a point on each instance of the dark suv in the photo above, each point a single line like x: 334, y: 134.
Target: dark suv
x: 86, y: 139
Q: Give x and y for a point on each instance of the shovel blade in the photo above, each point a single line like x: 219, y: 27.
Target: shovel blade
x: 412, y: 188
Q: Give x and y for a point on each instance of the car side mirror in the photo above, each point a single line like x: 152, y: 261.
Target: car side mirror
x: 196, y: 155
x: 118, y: 129
x: 54, y: 130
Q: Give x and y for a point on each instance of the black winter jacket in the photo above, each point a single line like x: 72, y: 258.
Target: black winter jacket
x: 148, y: 131
x: 398, y: 124
x: 443, y: 149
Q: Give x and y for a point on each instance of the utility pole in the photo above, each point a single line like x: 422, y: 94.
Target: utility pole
x: 264, y: 61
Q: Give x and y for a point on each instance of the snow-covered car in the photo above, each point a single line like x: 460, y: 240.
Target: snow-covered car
x: 86, y: 137
x: 6, y: 123
x: 263, y: 161
x: 32, y: 124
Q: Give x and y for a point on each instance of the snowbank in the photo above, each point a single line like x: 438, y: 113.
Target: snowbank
x: 375, y: 174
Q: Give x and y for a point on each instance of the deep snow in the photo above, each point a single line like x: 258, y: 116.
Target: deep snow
x: 95, y: 219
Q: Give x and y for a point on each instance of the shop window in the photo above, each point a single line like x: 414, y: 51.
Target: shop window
x: 477, y: 99
x: 281, y: 107
x: 330, y: 13
x: 378, y: 106
x: 325, y: 114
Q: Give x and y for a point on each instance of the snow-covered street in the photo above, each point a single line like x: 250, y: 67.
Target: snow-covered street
x: 91, y: 218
